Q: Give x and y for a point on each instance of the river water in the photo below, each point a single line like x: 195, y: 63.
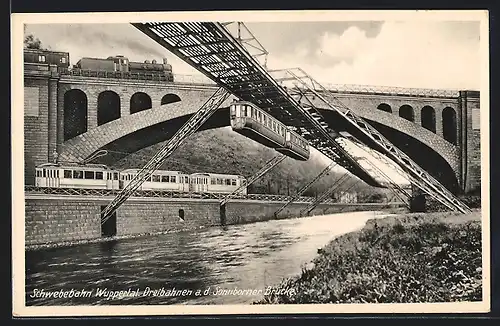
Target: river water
x: 232, y: 266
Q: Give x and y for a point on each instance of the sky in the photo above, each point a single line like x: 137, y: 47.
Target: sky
x: 421, y: 54
x: 415, y: 53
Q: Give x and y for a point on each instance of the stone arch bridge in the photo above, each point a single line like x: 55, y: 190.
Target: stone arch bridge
x: 79, y: 115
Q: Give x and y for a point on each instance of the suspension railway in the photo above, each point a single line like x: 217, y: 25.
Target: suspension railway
x: 287, y: 95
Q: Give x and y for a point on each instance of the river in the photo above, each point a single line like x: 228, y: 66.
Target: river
x: 170, y: 268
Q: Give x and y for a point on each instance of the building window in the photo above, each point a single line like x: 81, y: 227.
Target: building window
x: 41, y: 58
x: 63, y: 60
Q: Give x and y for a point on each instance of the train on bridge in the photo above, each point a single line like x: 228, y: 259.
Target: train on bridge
x: 249, y: 120
x: 117, y: 66
x: 98, y: 176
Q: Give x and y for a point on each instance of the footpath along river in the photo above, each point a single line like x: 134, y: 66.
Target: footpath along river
x: 208, y: 266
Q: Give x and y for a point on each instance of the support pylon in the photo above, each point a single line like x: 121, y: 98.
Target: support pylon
x: 304, y: 188
x: 266, y: 168
x: 324, y: 195
x: 195, y: 122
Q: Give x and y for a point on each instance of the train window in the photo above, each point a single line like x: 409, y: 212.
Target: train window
x: 249, y: 111
x: 68, y: 174
x: 156, y: 178
x: 219, y: 181
x: 44, y: 173
x: 41, y: 58
x: 115, y: 175
x: 164, y: 178
x: 186, y: 180
x: 63, y: 59
x: 78, y: 174
x: 173, y: 179
x: 213, y: 181
x: 228, y: 182
x: 233, y: 110
x: 254, y: 113
x: 243, y: 110
x: 89, y: 175
x: 99, y: 175
x: 233, y: 182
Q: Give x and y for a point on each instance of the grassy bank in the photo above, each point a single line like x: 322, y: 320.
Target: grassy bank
x: 432, y: 257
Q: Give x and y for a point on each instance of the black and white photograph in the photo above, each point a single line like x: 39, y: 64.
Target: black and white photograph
x: 250, y: 162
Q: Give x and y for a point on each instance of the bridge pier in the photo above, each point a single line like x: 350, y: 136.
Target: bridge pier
x: 417, y: 200
x: 223, y: 214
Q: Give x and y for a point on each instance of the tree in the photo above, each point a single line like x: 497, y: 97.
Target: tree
x: 32, y: 42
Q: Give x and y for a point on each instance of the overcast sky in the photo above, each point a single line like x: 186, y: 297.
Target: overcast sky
x: 427, y: 54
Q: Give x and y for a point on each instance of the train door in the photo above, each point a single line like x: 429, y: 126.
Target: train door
x: 203, y: 184
x: 183, y: 183
x: 52, y: 178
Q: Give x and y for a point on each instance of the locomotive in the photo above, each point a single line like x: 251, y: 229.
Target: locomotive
x: 117, y: 64
x: 122, y: 64
x: 249, y: 120
x: 99, y: 176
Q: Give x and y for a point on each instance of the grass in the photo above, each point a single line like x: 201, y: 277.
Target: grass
x: 432, y: 257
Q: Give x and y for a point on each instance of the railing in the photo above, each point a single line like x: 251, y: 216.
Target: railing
x: 159, y: 76
x: 390, y: 90
x: 162, y: 194
x: 202, y: 80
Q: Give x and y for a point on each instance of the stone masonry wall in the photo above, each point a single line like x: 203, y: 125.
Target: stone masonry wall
x: 58, y: 220
x: 36, y: 125
x: 473, y: 182
x: 55, y: 221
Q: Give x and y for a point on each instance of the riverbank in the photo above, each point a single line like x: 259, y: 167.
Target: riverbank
x: 433, y: 257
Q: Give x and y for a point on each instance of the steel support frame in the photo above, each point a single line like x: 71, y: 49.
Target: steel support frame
x: 266, y: 168
x: 193, y: 124
x: 324, y: 195
x: 305, y: 187
x: 417, y: 175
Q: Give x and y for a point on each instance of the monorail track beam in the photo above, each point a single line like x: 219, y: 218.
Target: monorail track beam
x: 418, y: 176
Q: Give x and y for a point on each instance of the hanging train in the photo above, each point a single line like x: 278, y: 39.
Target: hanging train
x: 97, y: 176
x: 249, y: 120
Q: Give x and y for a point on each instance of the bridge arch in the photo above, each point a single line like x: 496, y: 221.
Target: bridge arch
x: 75, y: 113
x: 428, y: 118
x: 384, y: 107
x: 170, y: 98
x: 406, y: 112
x: 108, y: 107
x: 140, y: 101
x: 450, y: 125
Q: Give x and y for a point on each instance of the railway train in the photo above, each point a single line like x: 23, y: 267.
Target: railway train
x: 249, y: 120
x: 118, y: 64
x: 98, y: 176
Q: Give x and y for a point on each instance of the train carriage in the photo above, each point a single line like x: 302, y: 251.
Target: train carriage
x: 248, y: 120
x: 225, y: 183
x: 77, y: 176
x: 159, y: 180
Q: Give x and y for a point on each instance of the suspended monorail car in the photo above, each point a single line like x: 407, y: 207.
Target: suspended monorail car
x: 250, y: 121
